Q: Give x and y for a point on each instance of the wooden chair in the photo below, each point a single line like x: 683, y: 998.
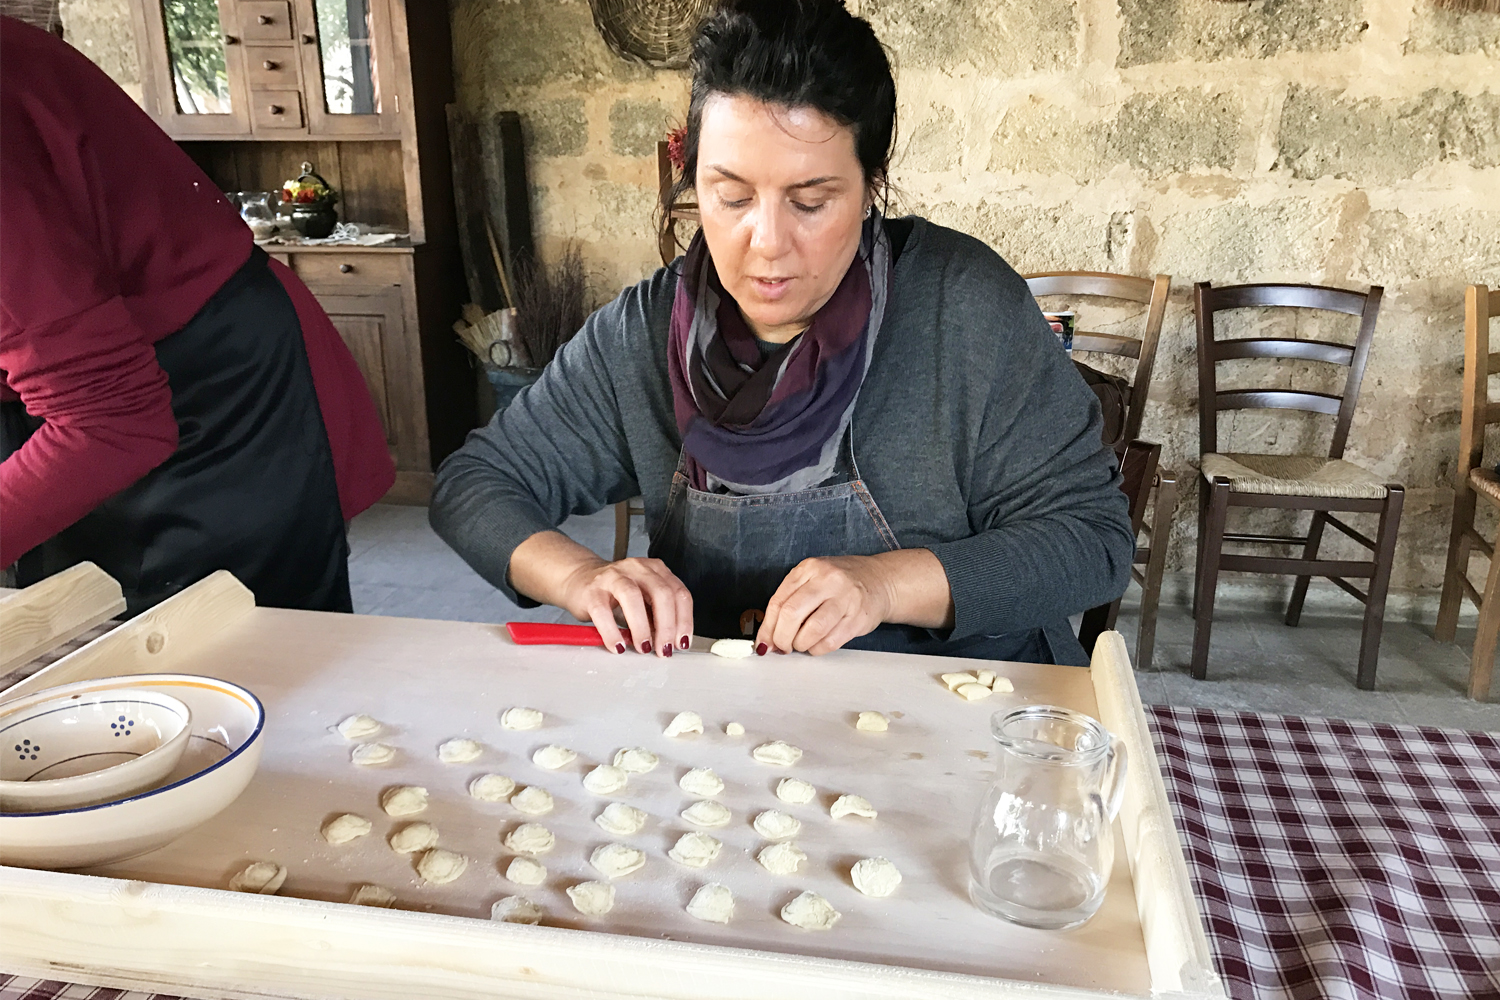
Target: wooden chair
x: 1289, y: 482
x: 1152, y: 556
x: 1138, y: 473
x: 1474, y: 480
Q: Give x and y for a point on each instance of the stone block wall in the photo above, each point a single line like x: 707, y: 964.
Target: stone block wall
x: 1346, y: 142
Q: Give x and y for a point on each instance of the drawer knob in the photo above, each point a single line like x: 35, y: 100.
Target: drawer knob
x: 277, y: 109
x: 231, y: 40
x: 266, y: 19
x: 346, y: 268
x: 308, y: 39
x: 270, y: 64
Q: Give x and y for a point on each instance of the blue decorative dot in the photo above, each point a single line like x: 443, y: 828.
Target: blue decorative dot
x: 26, y: 742
x: 33, y: 756
x: 113, y: 726
x: 18, y: 746
x: 117, y: 734
x: 130, y: 723
x: 122, y: 718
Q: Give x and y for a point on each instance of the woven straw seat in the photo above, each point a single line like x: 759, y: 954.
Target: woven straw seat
x: 1485, y: 483
x: 1294, y: 475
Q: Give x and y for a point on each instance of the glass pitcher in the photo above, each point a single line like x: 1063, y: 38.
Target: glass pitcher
x: 255, y: 209
x: 1042, y: 847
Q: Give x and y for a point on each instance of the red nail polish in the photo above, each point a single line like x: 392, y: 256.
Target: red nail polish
x: 686, y: 641
x: 666, y: 650
x: 646, y: 646
x: 760, y: 650
x: 619, y: 647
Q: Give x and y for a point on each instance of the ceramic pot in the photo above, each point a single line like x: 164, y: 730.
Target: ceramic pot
x: 314, y: 220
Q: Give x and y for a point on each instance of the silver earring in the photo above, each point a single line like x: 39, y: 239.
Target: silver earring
x: 868, y: 210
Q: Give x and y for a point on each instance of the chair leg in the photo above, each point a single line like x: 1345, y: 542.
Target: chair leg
x: 1210, y: 547
x: 1156, y: 565
x: 1310, y: 551
x: 622, y: 529
x: 1458, y: 565
x: 1203, y: 493
x: 1482, y: 662
x: 1385, y: 557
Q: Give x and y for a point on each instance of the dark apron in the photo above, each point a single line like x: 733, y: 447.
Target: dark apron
x: 249, y: 489
x: 732, y: 552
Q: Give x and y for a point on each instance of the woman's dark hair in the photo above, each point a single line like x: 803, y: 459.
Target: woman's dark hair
x: 796, y: 53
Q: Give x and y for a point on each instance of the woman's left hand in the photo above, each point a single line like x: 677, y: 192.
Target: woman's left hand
x: 825, y: 602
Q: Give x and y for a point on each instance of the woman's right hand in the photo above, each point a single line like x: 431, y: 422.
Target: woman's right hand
x: 656, y: 606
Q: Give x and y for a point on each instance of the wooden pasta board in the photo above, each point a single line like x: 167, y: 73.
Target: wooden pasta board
x: 163, y: 922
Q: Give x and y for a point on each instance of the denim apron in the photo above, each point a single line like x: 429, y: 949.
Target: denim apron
x: 732, y: 552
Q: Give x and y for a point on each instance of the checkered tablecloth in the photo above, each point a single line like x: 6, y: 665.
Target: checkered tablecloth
x: 1331, y: 860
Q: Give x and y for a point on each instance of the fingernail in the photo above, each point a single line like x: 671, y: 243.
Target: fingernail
x: 686, y: 641
x: 666, y: 650
x: 646, y: 646
x: 619, y: 647
x: 760, y: 650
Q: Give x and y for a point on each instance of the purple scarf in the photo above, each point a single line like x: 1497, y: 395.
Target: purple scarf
x: 753, y: 426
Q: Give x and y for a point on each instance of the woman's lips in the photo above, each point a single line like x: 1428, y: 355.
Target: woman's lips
x: 771, y: 288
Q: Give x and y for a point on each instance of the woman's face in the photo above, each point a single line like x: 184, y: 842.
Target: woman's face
x: 782, y: 198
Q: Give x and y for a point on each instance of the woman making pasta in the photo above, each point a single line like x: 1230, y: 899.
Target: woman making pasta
x: 859, y: 426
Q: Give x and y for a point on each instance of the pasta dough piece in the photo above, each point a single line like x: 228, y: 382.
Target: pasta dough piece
x: 592, y: 899
x: 264, y: 877
x: 491, y: 788
x: 985, y: 677
x: 776, y: 825
x: 530, y: 838
x: 781, y: 859
x: 733, y: 649
x: 734, y: 729
x: 403, y: 800
x: 851, y: 805
x: 875, y: 877
x: 684, y: 722
x: 696, y: 850
x: 778, y: 753
x: 872, y: 722
x: 955, y: 680
x: 372, y: 895
x: 357, y: 727
x: 460, y: 751
x: 795, y: 791
x: 973, y: 692
x: 811, y: 912
x: 371, y: 754
x: 712, y: 902
x: 701, y: 781
x: 707, y: 813
x: 606, y: 779
x: 615, y: 860
x: 516, y: 910
x: 533, y: 801
x: 1002, y: 685
x: 526, y: 871
x: 553, y: 757
x: 621, y: 820
x: 521, y: 718
x: 440, y: 866
x: 413, y: 837
x: 636, y: 760
x: 342, y: 829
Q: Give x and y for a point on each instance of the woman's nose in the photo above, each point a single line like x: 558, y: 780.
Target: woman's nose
x: 768, y: 230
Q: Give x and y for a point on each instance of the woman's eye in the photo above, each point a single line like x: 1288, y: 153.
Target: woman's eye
x: 807, y: 209
x: 741, y: 203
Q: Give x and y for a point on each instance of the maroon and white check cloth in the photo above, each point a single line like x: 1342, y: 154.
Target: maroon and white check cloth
x: 1331, y: 860
x: 1336, y: 860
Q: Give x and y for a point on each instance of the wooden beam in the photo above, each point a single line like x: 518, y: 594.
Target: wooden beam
x: 48, y: 614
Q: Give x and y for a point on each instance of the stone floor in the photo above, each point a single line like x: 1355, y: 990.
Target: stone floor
x: 399, y: 567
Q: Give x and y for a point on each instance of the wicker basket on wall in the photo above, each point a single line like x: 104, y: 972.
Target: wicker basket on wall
x: 655, y: 32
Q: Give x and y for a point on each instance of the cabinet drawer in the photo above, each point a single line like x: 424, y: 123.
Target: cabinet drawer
x: 265, y: 20
x: 275, y: 109
x: 272, y: 67
x: 338, y: 269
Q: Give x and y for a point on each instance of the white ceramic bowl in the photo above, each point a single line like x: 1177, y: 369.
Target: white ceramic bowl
x: 223, y: 751
x: 60, y: 749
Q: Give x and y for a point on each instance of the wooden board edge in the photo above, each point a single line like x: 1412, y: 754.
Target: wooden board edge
x: 175, y: 939
x: 55, y: 610
x: 154, y: 641
x: 1177, y: 949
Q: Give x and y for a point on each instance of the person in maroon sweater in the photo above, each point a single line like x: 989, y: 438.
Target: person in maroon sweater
x: 172, y: 401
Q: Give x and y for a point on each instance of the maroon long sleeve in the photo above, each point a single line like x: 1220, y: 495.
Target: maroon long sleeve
x: 111, y: 239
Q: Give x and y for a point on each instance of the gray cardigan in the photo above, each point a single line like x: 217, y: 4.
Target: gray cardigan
x: 974, y: 433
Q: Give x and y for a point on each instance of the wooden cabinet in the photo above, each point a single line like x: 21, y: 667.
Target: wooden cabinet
x: 251, y: 89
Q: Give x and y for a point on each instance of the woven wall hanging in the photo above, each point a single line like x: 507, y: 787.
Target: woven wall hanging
x: 655, y: 32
